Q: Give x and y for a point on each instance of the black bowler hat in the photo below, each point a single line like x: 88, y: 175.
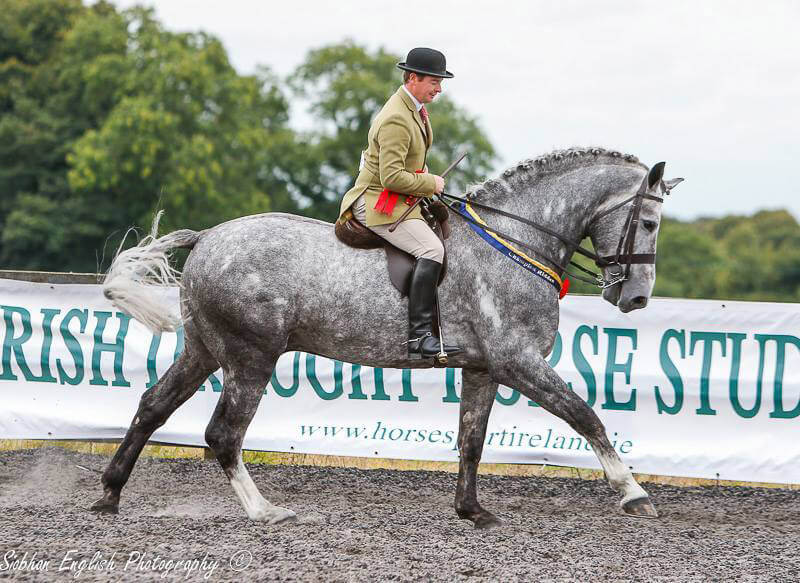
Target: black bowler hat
x: 426, y: 62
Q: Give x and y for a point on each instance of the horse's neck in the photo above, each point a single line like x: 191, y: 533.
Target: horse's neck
x: 563, y: 202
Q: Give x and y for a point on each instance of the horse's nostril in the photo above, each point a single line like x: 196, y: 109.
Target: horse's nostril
x: 639, y: 301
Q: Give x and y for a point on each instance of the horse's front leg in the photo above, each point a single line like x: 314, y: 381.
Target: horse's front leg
x: 535, y: 379
x: 477, y: 397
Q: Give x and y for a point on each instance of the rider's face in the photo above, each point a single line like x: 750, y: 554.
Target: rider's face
x: 425, y: 89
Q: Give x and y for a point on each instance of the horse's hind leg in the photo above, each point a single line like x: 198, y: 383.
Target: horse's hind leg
x: 156, y: 404
x: 477, y: 397
x: 243, y: 388
x: 541, y: 383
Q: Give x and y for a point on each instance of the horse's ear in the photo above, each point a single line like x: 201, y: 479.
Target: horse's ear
x: 671, y: 183
x: 656, y: 173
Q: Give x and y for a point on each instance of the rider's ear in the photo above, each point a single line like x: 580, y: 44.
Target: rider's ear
x: 656, y: 174
x: 671, y: 183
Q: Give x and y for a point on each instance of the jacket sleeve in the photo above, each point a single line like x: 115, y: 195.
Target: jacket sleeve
x: 394, y: 139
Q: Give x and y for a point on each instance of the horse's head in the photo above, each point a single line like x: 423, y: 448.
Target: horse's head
x: 624, y: 234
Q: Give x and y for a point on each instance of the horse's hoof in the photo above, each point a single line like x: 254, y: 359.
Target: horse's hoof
x: 486, y: 521
x: 640, y: 508
x: 105, y: 507
x: 283, y: 517
x: 482, y: 519
x: 274, y: 515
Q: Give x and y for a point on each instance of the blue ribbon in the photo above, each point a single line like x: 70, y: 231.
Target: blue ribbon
x: 521, y: 261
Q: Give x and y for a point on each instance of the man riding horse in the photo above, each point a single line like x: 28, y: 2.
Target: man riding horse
x: 254, y: 288
x: 392, y: 174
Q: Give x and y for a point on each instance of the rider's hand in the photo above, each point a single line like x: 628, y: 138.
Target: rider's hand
x: 439, y: 189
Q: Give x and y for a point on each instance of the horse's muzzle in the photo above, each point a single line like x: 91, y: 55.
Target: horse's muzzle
x: 635, y: 303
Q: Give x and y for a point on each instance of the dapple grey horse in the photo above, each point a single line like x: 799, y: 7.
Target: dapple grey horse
x: 256, y: 287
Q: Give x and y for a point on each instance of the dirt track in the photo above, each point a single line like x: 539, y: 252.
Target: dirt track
x: 356, y: 525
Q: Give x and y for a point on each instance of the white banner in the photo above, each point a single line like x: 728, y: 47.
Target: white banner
x: 693, y: 388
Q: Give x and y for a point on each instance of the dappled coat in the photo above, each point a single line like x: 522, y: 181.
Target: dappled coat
x: 398, y: 143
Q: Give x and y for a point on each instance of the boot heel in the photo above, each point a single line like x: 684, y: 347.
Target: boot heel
x: 414, y: 356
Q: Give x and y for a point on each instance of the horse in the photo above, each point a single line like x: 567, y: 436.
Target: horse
x: 257, y: 286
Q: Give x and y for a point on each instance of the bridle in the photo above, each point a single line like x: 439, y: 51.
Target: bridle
x: 627, y: 238
x: 621, y: 261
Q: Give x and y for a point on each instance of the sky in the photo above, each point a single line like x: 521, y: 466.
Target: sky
x: 712, y: 87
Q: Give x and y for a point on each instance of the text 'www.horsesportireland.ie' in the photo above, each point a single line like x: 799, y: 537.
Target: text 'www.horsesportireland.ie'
x: 511, y: 438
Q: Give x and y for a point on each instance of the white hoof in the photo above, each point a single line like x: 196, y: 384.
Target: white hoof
x: 273, y: 515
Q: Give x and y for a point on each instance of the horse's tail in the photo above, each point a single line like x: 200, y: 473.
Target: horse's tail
x: 136, y: 273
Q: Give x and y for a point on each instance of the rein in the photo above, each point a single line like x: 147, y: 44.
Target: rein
x: 624, y: 250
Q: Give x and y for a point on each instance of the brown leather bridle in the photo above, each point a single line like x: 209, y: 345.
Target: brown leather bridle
x: 627, y: 238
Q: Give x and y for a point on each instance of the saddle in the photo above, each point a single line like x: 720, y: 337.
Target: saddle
x: 353, y: 233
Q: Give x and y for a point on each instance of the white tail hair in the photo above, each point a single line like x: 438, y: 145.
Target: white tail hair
x: 138, y: 272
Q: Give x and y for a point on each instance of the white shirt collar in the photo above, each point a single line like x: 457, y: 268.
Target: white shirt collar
x: 417, y: 104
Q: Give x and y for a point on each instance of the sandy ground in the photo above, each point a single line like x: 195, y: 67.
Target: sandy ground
x: 179, y: 520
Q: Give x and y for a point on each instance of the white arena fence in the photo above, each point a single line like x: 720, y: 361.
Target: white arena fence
x: 695, y: 388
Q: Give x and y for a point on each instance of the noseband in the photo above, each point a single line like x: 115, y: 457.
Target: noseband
x: 621, y: 260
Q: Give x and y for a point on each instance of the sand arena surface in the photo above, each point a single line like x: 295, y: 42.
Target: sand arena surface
x: 367, y: 525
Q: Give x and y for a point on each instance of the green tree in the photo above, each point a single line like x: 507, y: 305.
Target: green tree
x: 33, y: 139
x: 344, y: 86
x: 689, y: 262
x: 115, y: 118
x: 763, y: 256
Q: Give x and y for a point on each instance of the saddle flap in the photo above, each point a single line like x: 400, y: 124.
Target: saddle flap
x: 401, y: 264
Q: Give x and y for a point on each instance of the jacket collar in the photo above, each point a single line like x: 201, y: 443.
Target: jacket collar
x: 417, y: 105
x: 427, y: 132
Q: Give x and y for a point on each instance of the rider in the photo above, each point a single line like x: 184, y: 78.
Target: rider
x: 392, y: 173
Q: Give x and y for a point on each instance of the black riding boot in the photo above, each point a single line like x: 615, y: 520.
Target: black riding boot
x: 421, y: 300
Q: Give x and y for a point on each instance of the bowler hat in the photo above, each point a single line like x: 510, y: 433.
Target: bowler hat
x: 426, y: 62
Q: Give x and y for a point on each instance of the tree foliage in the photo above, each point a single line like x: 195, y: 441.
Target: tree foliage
x: 110, y: 117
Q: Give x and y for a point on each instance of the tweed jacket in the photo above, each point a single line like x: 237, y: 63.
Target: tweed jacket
x: 397, y: 145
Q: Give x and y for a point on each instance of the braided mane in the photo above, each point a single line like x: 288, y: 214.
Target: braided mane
x: 557, y: 160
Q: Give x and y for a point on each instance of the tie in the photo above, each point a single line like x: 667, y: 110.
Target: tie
x: 423, y: 113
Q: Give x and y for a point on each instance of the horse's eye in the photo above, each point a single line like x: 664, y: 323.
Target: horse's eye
x: 650, y: 225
